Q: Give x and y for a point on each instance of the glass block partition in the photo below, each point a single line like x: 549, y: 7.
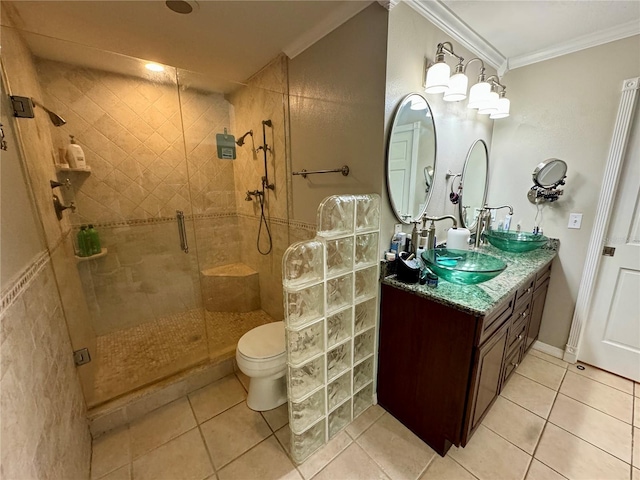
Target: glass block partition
x: 331, y: 297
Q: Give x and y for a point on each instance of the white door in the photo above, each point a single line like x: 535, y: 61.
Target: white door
x: 403, y: 161
x: 612, y: 334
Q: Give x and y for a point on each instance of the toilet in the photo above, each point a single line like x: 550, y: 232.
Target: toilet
x: 262, y: 356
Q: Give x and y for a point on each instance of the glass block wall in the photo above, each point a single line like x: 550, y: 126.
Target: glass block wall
x: 331, y: 297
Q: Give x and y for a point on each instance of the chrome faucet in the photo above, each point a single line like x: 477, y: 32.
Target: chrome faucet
x: 484, y: 221
x: 430, y: 233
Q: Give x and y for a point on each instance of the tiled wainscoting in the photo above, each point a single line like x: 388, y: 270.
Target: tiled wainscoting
x: 42, y: 411
x: 552, y: 421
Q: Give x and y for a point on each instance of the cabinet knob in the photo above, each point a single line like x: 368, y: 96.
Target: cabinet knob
x: 529, y: 290
x: 515, y: 364
x: 519, y: 337
x: 523, y: 314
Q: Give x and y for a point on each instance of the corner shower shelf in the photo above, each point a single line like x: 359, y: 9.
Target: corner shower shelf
x: 60, y: 168
x: 103, y: 253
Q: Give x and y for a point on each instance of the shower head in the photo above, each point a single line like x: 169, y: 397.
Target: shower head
x: 56, y: 119
x: 240, y: 141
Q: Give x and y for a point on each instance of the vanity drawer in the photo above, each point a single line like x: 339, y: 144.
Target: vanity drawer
x: 511, y: 363
x: 526, y: 289
x: 518, y: 330
x: 543, y: 275
x: 491, y: 323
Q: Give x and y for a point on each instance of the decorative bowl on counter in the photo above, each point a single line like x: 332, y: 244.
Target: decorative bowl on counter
x: 516, y: 242
x: 463, y: 266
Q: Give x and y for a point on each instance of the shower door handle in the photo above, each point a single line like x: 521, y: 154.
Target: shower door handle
x: 182, y: 231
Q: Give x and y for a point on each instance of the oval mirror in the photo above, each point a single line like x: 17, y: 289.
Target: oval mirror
x: 474, y: 183
x: 411, y: 158
x: 550, y: 173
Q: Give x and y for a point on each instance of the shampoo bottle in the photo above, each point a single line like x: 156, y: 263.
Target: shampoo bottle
x: 84, y: 248
x: 94, y: 240
x: 75, y: 155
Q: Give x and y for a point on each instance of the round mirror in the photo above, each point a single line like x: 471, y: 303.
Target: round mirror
x: 411, y: 158
x: 474, y: 183
x: 550, y: 173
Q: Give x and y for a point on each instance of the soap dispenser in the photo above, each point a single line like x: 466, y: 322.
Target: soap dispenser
x: 75, y: 155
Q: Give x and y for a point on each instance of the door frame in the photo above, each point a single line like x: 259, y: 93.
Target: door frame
x: 610, y: 182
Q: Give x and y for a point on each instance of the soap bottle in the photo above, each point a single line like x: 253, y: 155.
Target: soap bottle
x: 94, y: 240
x: 75, y: 155
x: 84, y: 248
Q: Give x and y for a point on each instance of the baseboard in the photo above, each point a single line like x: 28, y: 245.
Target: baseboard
x: 549, y: 349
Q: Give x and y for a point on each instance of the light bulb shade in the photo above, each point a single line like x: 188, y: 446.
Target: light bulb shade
x: 457, y: 88
x: 489, y: 105
x: 478, y: 94
x: 504, y: 106
x: 438, y: 78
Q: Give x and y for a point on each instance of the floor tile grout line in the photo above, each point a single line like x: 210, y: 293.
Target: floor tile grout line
x: 535, y: 381
x: 507, y: 440
x: 462, y: 466
x: 566, y: 366
x: 595, y: 408
x: 546, y: 422
x: 204, y: 441
x: 574, y: 435
x: 598, y: 381
x: 530, y: 411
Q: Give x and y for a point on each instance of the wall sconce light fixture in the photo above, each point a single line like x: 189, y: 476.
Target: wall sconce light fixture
x: 487, y: 95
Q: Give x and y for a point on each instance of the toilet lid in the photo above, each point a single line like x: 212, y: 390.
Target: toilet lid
x: 264, y: 341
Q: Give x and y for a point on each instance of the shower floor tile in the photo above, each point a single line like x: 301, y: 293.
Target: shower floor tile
x: 138, y: 356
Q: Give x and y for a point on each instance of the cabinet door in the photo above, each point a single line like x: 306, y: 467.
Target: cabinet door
x: 487, y: 376
x: 537, y: 308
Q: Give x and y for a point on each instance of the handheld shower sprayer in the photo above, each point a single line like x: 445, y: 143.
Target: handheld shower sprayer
x: 240, y: 141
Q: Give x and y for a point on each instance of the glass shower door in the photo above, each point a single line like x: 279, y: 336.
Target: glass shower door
x: 144, y: 295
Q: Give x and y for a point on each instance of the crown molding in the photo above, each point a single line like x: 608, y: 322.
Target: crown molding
x: 327, y: 25
x: 388, y: 4
x: 580, y: 43
x: 449, y: 23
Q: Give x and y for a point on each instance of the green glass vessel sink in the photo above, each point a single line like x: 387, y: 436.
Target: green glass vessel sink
x: 515, y: 241
x: 463, y: 266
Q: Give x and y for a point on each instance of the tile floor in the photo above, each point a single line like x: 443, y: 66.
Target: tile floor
x: 552, y: 421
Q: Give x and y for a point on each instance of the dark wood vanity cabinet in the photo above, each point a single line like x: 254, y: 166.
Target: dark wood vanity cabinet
x: 440, y: 369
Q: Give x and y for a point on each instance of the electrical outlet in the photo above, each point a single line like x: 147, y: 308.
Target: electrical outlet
x: 575, y: 220
x: 397, y: 228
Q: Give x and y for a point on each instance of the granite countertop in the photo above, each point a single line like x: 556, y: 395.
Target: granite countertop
x: 480, y: 299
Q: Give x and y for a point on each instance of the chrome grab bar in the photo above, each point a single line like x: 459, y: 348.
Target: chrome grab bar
x: 182, y: 231
x: 303, y: 173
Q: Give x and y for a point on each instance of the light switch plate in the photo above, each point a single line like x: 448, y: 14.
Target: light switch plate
x: 397, y: 228
x: 575, y: 220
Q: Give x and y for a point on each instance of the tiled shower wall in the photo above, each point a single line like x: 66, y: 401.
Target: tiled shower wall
x: 43, y: 418
x: 264, y: 97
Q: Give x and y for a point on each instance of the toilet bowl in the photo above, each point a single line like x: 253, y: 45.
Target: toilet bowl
x: 262, y: 356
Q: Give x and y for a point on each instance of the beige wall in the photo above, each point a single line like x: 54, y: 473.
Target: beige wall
x: 412, y: 38
x: 565, y: 108
x: 337, y: 112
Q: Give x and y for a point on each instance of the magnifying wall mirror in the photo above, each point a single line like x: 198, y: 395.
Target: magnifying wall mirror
x: 411, y: 158
x: 547, y: 177
x: 474, y: 183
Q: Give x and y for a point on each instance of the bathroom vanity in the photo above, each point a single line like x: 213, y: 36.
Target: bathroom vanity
x: 446, y: 352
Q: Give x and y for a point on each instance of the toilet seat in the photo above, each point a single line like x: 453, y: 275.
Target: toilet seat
x: 263, y: 343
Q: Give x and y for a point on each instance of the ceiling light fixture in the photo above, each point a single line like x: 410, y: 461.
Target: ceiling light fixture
x: 183, y: 7
x: 484, y: 95
x: 154, y: 67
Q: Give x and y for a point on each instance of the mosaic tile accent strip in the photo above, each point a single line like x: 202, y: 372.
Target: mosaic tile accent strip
x: 23, y: 280
x: 330, y: 286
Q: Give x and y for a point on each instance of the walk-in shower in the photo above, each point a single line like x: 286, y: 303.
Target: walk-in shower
x: 149, y: 308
